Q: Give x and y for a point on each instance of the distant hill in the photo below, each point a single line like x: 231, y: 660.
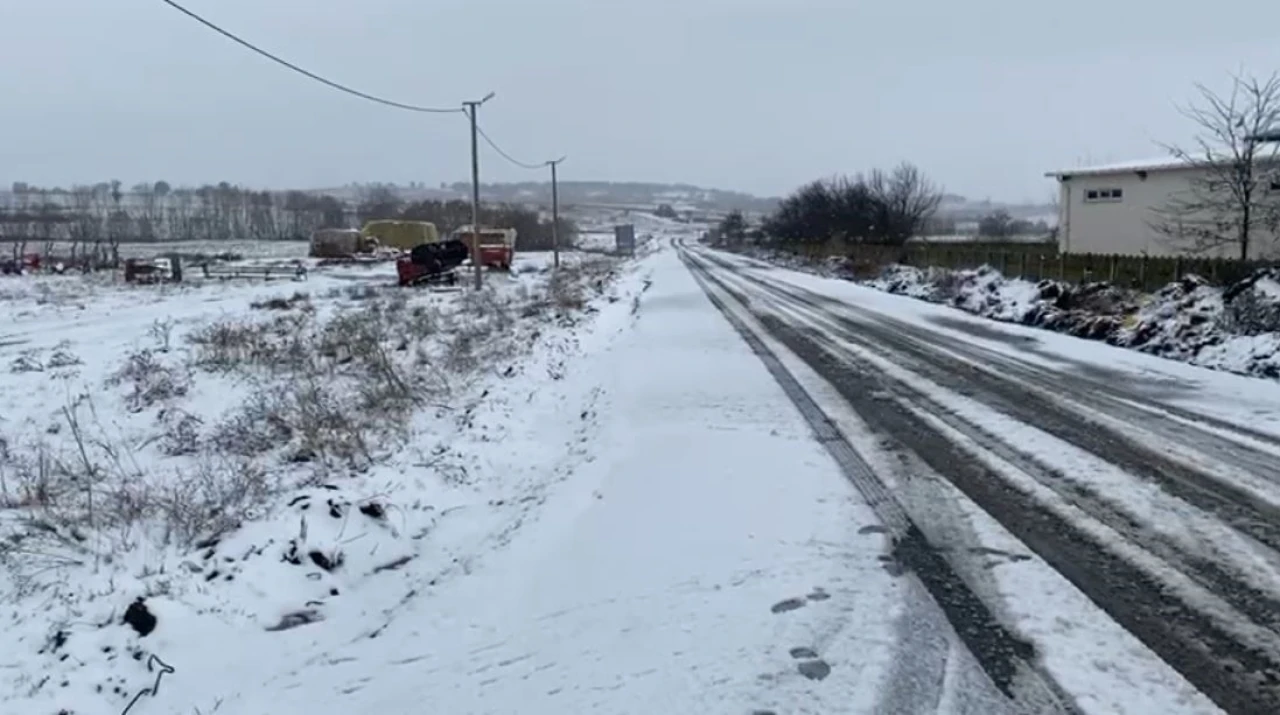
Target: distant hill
x: 681, y: 197
x: 685, y: 199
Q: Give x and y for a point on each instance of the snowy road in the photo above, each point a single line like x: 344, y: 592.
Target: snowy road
x: 1153, y: 489
x: 708, y: 557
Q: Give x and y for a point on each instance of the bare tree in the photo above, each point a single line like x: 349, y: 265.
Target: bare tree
x: 1229, y: 199
x: 734, y: 227
x: 997, y: 224
x: 907, y: 200
x: 379, y: 201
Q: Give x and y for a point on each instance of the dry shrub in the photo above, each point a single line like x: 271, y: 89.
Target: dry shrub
x: 181, y: 432
x: 150, y: 381
x: 334, y: 390
x: 26, y: 362
x: 297, y: 300
x: 162, y: 332
x: 81, y: 501
x: 570, y: 289
x: 231, y: 345
x: 62, y: 356
x: 335, y: 393
x: 309, y: 421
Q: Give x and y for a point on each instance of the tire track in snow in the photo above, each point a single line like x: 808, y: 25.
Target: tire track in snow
x: 1007, y: 660
x: 1248, y: 448
x: 1241, y: 447
x: 1239, y: 677
x: 1121, y: 403
x: 1046, y: 403
x: 1260, y: 606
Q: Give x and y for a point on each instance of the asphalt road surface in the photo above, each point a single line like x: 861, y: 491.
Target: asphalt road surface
x: 1204, y: 605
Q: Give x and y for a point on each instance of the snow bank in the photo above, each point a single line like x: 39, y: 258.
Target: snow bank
x: 203, y: 483
x: 1236, y: 329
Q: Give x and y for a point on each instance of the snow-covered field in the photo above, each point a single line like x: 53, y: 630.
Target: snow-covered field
x: 191, y: 474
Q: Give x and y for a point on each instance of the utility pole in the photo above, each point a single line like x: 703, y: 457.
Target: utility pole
x: 555, y: 214
x: 475, y: 191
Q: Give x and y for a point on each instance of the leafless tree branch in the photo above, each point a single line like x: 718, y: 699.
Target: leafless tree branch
x: 1229, y: 202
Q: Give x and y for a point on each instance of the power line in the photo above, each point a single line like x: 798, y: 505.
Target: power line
x: 505, y: 155
x: 299, y: 70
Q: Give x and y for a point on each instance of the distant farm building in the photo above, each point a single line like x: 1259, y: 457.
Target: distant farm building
x: 1115, y: 209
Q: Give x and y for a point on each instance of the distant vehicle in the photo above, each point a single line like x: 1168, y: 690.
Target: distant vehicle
x: 402, y: 235
x: 497, y: 245
x: 161, y: 269
x: 22, y: 264
x: 432, y: 263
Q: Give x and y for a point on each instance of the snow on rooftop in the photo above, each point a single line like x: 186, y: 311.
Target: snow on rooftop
x: 1167, y: 161
x: 1163, y: 163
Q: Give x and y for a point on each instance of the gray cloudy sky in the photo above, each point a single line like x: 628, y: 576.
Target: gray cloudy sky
x: 756, y: 95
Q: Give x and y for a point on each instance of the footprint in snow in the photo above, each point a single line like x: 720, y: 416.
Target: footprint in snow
x: 810, y: 666
x: 814, y: 669
x: 790, y: 604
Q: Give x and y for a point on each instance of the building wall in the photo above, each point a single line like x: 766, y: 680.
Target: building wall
x: 1124, y: 226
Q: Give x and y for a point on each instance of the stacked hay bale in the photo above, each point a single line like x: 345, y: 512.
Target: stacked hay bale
x: 335, y: 243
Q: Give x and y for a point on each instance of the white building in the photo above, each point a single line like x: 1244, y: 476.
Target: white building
x: 1111, y: 209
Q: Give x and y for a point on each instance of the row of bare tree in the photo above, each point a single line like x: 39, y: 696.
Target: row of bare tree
x: 882, y: 207
x: 105, y: 215
x: 92, y: 221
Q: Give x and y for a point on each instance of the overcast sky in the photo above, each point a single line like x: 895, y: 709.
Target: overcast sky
x: 755, y: 95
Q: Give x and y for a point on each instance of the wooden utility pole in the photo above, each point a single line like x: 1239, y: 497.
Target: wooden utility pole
x: 475, y: 192
x: 555, y: 214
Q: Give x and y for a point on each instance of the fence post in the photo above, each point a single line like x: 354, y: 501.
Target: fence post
x: 1177, y: 269
x: 1022, y: 265
x: 1040, y: 273
x: 1111, y: 269
x: 1062, y: 268
x: 1004, y: 263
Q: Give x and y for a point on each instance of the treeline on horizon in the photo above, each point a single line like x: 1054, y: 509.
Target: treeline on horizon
x: 108, y: 214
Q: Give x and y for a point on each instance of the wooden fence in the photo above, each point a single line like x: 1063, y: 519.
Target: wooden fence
x: 1038, y: 261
